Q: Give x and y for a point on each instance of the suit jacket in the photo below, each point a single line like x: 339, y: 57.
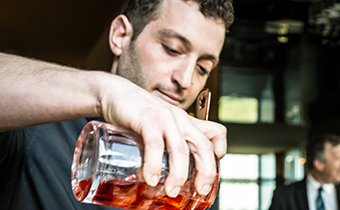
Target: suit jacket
x: 294, y: 197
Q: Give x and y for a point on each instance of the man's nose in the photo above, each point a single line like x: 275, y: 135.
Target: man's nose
x: 183, y: 75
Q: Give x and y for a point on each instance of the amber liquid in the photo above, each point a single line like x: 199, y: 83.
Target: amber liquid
x: 134, y: 195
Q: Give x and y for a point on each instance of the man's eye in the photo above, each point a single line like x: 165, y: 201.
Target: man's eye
x: 170, y: 50
x: 203, y: 71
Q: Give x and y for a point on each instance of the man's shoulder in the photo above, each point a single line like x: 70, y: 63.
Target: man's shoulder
x: 292, y: 196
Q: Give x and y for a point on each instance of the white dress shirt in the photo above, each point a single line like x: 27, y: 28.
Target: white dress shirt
x: 328, y: 195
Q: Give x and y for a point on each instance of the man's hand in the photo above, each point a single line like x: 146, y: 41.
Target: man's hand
x: 164, y: 125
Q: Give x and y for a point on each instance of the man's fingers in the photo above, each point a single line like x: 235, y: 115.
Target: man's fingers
x: 153, y: 154
x: 203, y: 139
x: 178, y: 161
x: 155, y: 136
x: 217, y: 133
x: 203, y: 152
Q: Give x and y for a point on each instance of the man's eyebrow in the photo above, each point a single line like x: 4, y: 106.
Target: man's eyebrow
x: 213, y: 58
x: 187, y: 43
x: 172, y: 33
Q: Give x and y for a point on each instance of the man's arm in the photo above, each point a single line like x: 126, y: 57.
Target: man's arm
x: 35, y: 92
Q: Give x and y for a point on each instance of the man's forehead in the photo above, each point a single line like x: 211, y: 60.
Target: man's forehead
x: 332, y: 149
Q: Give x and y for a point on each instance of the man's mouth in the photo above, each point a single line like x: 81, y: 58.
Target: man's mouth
x: 169, y: 97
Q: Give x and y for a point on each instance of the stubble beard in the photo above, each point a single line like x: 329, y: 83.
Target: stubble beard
x: 130, y: 68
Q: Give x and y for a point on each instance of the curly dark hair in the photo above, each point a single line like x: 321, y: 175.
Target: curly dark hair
x: 315, y: 147
x: 142, y: 12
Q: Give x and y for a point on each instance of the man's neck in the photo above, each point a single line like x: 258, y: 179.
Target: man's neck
x: 317, y: 176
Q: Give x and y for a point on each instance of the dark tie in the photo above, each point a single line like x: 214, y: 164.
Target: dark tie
x: 319, y: 202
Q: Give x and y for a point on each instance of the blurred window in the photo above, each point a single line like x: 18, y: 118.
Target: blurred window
x: 247, y: 181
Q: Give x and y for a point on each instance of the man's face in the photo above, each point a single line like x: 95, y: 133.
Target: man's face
x: 331, y: 171
x: 174, y: 54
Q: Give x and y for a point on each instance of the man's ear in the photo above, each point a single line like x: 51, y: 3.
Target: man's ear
x: 318, y: 165
x: 120, y: 34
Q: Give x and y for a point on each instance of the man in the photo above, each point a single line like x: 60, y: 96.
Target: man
x: 323, y: 163
x: 164, y: 52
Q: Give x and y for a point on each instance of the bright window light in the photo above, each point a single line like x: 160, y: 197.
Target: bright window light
x: 247, y: 181
x: 238, y: 109
x: 235, y: 166
x: 239, y: 196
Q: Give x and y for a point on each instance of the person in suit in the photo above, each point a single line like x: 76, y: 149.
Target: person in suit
x: 323, y: 164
